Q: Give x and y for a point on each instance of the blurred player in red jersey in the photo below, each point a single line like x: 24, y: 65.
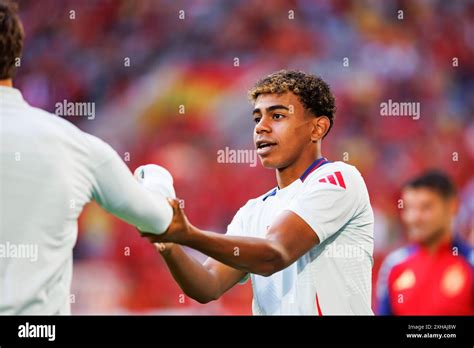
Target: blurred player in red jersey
x: 434, y: 275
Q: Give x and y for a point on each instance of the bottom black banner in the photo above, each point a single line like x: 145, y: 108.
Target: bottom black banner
x: 21, y: 331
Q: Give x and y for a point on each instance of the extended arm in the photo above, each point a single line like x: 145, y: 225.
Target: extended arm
x: 118, y: 192
x: 287, y: 239
x: 202, y: 282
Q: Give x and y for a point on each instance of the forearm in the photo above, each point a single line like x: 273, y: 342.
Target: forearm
x: 117, y: 191
x: 193, y: 277
x: 250, y: 255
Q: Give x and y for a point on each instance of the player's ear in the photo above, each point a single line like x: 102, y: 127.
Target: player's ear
x: 320, y: 127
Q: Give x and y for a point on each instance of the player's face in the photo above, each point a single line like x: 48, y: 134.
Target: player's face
x: 282, y: 129
x: 426, y: 214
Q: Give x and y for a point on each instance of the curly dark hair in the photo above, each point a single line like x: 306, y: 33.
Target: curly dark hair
x: 11, y: 38
x: 312, y: 91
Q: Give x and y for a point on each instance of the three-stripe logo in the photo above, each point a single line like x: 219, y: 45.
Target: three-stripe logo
x: 335, y: 179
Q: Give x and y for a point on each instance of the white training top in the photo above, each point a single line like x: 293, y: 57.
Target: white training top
x: 49, y: 170
x: 335, y: 276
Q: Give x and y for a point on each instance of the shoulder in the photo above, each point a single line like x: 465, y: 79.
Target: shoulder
x: 62, y: 129
x: 394, y: 260
x: 67, y: 133
x: 239, y: 225
x: 397, y: 258
x: 339, y: 180
x: 337, y: 173
x: 53, y: 120
x: 464, y: 250
x: 254, y: 203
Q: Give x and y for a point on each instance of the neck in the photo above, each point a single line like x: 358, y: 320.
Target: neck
x: 285, y: 176
x: 437, y: 241
x: 6, y: 83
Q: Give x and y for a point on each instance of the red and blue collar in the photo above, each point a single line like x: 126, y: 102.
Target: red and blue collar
x: 315, y: 165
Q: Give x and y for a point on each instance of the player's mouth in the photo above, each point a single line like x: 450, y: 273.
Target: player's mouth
x: 264, y: 146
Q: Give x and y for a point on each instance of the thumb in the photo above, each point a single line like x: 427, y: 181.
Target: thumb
x: 176, y: 207
x: 174, y: 202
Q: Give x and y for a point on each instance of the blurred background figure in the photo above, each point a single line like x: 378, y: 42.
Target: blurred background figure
x: 435, y: 274
x: 169, y: 78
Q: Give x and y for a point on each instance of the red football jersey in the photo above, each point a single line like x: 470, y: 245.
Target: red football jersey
x: 427, y: 283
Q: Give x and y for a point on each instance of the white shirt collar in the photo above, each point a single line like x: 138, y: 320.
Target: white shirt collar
x: 10, y: 94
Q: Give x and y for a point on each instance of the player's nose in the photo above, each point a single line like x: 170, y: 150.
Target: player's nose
x: 263, y: 125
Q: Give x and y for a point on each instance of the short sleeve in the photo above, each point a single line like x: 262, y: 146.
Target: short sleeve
x: 326, y: 206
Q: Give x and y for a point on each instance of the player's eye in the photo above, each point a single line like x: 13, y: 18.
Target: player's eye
x: 256, y: 119
x: 278, y: 116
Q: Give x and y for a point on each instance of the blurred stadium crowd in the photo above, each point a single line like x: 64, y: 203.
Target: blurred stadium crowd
x: 79, y: 51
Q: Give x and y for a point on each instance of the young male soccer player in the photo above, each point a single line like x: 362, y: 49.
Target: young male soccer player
x: 434, y: 275
x: 49, y: 170
x: 307, y: 244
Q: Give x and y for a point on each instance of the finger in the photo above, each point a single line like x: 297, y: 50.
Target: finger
x: 174, y: 205
x: 173, y: 202
x: 160, y: 246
